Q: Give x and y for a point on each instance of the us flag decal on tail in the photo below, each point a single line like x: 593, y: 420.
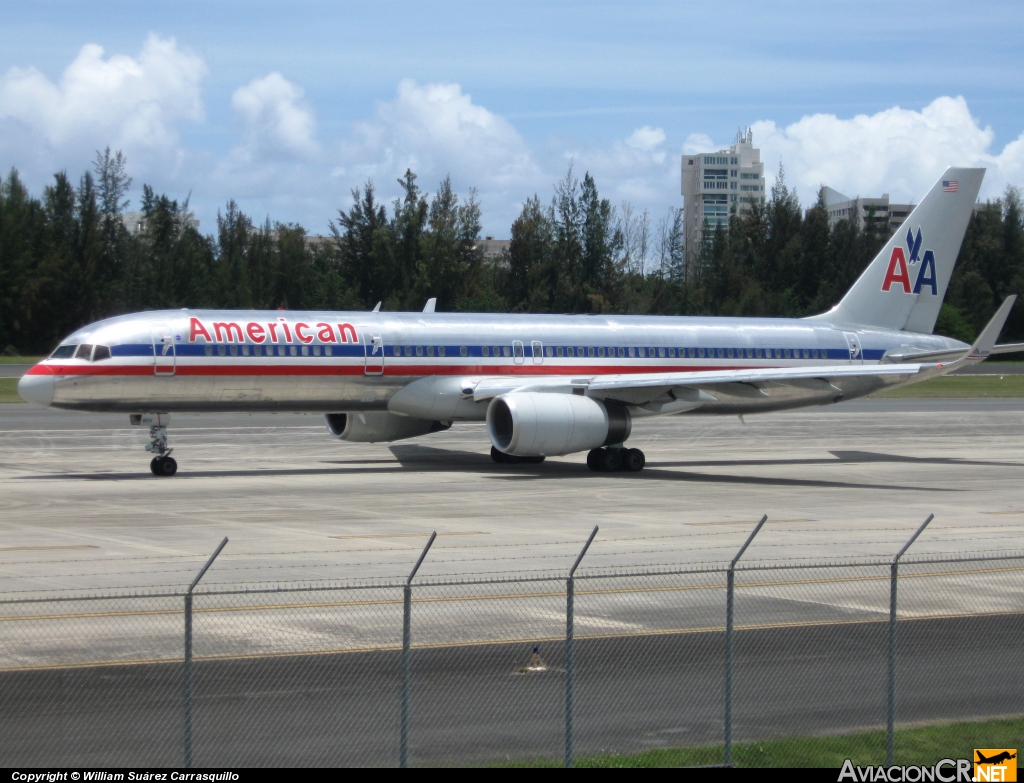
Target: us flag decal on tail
x: 950, y: 186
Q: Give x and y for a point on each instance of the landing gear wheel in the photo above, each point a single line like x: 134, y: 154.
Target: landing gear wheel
x: 163, y: 466
x: 611, y: 460
x: 634, y: 460
x: 499, y: 456
x: 594, y: 459
x: 532, y: 460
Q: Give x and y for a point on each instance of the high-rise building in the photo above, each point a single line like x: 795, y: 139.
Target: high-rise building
x: 714, y: 182
x: 885, y: 215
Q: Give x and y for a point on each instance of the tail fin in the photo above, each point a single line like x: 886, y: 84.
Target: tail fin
x: 904, y: 286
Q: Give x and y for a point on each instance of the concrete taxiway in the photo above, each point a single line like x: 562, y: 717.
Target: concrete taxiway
x: 83, y: 516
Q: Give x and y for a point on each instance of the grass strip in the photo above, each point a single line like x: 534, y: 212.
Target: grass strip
x: 20, y: 359
x: 9, y: 390
x: 923, y: 745
x: 962, y: 386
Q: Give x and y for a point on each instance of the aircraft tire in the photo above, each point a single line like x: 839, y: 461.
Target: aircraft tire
x: 500, y: 456
x: 634, y: 460
x: 163, y: 466
x: 611, y: 460
x: 594, y: 459
x: 533, y: 460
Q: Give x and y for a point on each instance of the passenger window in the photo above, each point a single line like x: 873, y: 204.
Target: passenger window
x: 486, y: 350
x: 245, y: 350
x: 408, y: 350
x: 518, y: 349
x: 632, y: 352
x: 256, y: 350
x: 293, y: 350
x: 789, y: 354
x: 316, y: 350
x: 329, y: 350
x: 661, y: 352
x: 208, y: 350
x: 305, y: 350
x: 101, y: 352
x: 64, y: 352
x: 590, y: 352
x: 440, y: 350
x: 672, y: 353
x: 600, y: 353
x: 549, y: 351
x: 508, y: 351
x: 430, y: 350
x: 560, y: 351
x: 84, y: 352
x: 691, y: 353
x: 419, y: 350
x: 222, y: 350
x: 234, y: 350
x: 463, y: 351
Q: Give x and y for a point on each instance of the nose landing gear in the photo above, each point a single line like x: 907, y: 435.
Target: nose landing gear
x: 616, y: 458
x: 163, y: 464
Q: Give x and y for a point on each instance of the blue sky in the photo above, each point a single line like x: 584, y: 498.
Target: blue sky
x: 287, y: 106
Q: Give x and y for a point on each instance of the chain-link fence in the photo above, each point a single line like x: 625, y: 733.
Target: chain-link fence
x: 434, y: 672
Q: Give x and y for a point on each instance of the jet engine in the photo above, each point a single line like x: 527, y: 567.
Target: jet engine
x: 531, y: 424
x: 379, y: 426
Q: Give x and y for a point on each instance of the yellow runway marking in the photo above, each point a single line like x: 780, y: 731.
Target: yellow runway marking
x: 418, y: 535
x: 500, y: 596
x: 744, y: 522
x: 531, y: 640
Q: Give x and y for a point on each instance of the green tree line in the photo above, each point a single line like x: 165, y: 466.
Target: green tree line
x: 67, y: 259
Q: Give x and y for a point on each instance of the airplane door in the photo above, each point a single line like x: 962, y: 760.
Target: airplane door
x: 164, y: 355
x: 538, y: 352
x: 518, y: 353
x: 374, y: 347
x: 853, y: 342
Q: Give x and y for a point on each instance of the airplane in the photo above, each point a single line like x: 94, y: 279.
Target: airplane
x: 546, y: 385
x: 996, y: 759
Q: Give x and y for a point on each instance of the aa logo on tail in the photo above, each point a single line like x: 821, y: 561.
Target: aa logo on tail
x: 898, y: 272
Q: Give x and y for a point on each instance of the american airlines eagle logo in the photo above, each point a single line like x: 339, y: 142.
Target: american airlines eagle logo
x: 900, y: 262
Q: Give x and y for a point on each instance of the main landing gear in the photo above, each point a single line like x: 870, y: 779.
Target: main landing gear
x: 615, y: 458
x: 510, y: 459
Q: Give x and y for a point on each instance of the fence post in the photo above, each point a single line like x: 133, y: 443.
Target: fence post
x: 187, y: 684
x: 890, y: 713
x: 569, y: 613
x: 729, y: 590
x: 403, y: 736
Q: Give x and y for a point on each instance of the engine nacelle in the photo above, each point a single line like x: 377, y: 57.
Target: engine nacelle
x: 379, y: 426
x: 531, y: 424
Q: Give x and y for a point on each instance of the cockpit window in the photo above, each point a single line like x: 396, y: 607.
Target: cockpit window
x: 64, y: 352
x: 84, y: 352
x: 101, y: 352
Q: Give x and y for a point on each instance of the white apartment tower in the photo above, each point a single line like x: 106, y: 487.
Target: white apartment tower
x: 715, y: 181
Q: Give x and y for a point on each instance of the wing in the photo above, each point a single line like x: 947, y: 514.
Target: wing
x: 753, y: 389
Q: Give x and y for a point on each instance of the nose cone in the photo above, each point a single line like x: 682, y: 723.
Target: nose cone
x: 37, y: 386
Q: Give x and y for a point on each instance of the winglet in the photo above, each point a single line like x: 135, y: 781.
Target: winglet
x: 430, y: 305
x: 986, y: 341
x: 377, y: 308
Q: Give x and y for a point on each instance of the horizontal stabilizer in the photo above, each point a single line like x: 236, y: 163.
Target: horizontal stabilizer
x: 986, y: 341
x: 1007, y: 348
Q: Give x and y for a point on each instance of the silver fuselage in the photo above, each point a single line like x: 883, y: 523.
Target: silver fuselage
x: 357, y: 361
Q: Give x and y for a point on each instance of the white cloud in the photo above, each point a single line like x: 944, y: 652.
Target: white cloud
x: 646, y: 138
x: 699, y: 142
x: 436, y: 129
x: 134, y: 104
x: 275, y: 116
x: 897, y: 151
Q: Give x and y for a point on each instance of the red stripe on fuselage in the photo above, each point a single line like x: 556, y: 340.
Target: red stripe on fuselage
x: 275, y: 370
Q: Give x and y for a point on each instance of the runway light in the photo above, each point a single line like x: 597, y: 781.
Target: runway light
x: 536, y: 664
